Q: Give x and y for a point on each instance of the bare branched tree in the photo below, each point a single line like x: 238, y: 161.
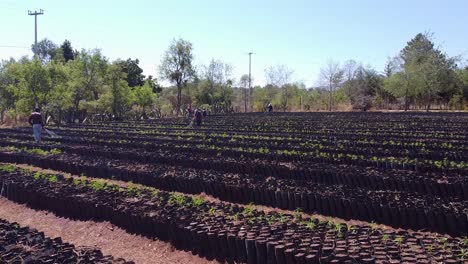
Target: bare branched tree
x: 331, y: 75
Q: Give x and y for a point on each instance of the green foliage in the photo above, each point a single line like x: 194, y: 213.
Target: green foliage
x: 144, y: 97
x: 67, y: 51
x: 133, y: 190
x: 176, y: 67
x: 97, y: 185
x: 133, y: 72
x: 176, y: 199
x: 197, y: 201
x: 248, y: 210
x: 9, y: 168
x: 298, y: 213
x: 44, y: 176
x: 212, y: 211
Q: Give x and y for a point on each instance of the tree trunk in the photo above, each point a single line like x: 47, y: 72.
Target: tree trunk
x: 179, y: 98
x: 330, y: 103
x: 59, y: 118
x: 250, y: 98
x: 406, y: 100
x: 245, y: 100
x: 428, y: 106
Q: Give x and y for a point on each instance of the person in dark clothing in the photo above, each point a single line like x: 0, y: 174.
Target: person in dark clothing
x: 270, y: 108
x: 35, y: 120
x: 205, y: 113
x: 198, y: 117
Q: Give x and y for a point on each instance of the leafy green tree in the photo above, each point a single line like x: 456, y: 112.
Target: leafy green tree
x: 176, y: 67
x: 153, y: 83
x: 144, y: 97
x: 87, y: 78
x: 34, y: 85
x: 362, y: 88
x: 46, y: 50
x: 426, y: 74
x: 215, y: 88
x: 118, y: 96
x: 133, y: 72
x: 60, y: 96
x: 67, y: 51
x: 7, y: 87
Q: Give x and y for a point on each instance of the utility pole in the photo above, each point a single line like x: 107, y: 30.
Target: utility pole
x: 35, y: 14
x: 250, y: 80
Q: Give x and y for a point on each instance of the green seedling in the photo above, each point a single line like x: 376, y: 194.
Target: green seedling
x: 385, y: 238
x: 399, y: 240
x: 310, y: 224
x: 9, y: 168
x: 297, y: 213
x: 212, y: 211
x: 176, y: 199
x: 98, y: 185
x: 134, y: 191
x: 197, y: 201
x: 248, y: 210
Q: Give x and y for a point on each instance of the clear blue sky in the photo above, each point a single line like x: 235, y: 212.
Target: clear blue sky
x: 302, y: 34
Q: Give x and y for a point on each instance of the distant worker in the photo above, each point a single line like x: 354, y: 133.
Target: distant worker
x: 270, y: 108
x: 35, y: 120
x: 198, y: 117
x: 190, y: 111
x: 205, y: 113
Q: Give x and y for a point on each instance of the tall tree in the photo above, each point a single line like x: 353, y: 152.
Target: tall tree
x: 144, y: 97
x: 153, y: 83
x: 67, y: 51
x: 8, y: 84
x: 45, y: 50
x: 133, y: 72
x: 363, y: 87
x: 429, y: 72
x: 118, y: 95
x: 331, y: 76
x: 176, y: 66
x: 279, y: 76
x: 215, y: 89
x: 244, y: 84
x: 88, y: 72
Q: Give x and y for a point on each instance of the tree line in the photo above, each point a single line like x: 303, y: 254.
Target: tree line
x: 73, y: 86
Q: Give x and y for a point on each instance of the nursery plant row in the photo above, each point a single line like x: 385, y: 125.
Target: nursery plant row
x: 394, y: 208
x: 24, y: 245
x: 224, y: 231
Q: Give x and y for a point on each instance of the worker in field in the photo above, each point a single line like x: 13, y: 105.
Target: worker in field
x: 270, y: 108
x: 198, y: 117
x: 205, y: 113
x: 35, y: 120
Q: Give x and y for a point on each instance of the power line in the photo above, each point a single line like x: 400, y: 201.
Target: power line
x: 15, y: 47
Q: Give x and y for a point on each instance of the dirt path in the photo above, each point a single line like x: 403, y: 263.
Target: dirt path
x: 110, y: 239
